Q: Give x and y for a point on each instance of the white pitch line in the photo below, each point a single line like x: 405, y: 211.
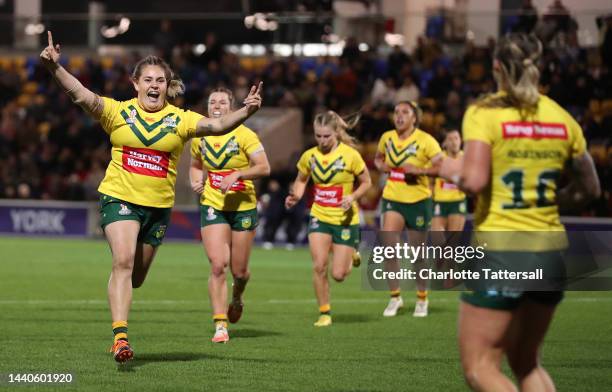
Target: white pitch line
x: 269, y: 301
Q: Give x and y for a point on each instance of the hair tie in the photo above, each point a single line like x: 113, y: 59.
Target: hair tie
x: 527, y: 62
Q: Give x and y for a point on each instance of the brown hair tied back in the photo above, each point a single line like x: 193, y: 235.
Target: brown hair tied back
x: 175, y: 85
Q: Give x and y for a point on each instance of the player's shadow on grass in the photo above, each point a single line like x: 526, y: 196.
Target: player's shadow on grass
x: 240, y: 333
x: 354, y: 318
x: 147, y: 358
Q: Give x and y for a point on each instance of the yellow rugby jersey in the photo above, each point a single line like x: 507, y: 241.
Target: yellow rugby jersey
x: 446, y: 191
x: 333, y: 175
x: 220, y: 156
x: 527, y: 158
x: 418, y: 150
x: 145, y: 150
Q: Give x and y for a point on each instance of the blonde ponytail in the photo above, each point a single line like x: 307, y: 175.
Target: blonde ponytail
x: 176, y: 87
x: 340, y: 125
x: 517, y: 73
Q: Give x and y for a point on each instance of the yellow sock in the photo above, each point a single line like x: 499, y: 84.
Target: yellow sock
x: 220, y: 318
x: 422, y: 295
x: 120, y: 329
x: 395, y: 293
x: 325, y: 309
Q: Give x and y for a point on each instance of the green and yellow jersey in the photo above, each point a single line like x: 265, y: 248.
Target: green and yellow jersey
x: 333, y: 175
x: 446, y: 191
x: 418, y: 149
x: 527, y: 157
x: 220, y: 156
x: 145, y: 150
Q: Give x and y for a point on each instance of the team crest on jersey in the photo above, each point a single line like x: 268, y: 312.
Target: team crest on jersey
x: 210, y: 214
x: 169, y: 122
x: 132, y: 117
x: 124, y: 210
x: 246, y: 222
x: 232, y: 148
x: 161, y: 231
x: 420, y: 221
x: 345, y: 234
x: 314, y: 223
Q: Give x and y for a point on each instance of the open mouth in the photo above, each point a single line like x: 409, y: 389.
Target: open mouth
x: 216, y: 113
x: 153, y: 95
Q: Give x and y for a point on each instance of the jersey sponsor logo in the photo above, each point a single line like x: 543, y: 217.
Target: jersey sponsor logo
x: 328, y: 196
x: 324, y: 172
x: 533, y: 130
x: 215, y: 178
x: 146, y: 162
x: 448, y: 186
x: 397, y: 175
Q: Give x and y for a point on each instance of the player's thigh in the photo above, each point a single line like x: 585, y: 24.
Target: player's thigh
x: 320, y: 246
x: 482, y: 335
x: 217, y: 240
x: 122, y: 237
x: 456, y: 222
x: 242, y: 242
x: 393, y: 221
x: 342, y: 259
x: 438, y: 223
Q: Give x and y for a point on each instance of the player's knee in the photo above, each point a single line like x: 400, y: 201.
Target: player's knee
x: 241, y: 273
x: 217, y: 269
x: 339, y: 276
x: 123, y: 260
x: 319, y: 268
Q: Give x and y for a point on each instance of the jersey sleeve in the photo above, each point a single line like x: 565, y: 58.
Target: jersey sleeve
x: 433, y: 148
x: 577, y: 140
x: 189, y: 124
x: 196, y: 152
x: 474, y: 126
x: 382, y: 144
x: 358, y: 164
x: 303, y: 164
x: 110, y: 111
x: 251, y: 143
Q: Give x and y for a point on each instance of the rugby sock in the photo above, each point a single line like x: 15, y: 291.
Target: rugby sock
x: 395, y: 293
x: 120, y: 329
x: 220, y: 318
x: 238, y: 287
x: 422, y: 295
x: 325, y: 309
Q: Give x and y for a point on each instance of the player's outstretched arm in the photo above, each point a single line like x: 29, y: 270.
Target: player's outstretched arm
x: 82, y: 96
x: 225, y: 124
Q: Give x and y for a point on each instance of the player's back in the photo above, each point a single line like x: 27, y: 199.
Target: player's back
x: 528, y: 154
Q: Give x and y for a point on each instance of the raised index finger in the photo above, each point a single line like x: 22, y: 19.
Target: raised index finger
x: 50, y: 38
x: 259, y: 86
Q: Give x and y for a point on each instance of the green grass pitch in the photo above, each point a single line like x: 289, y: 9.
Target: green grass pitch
x: 55, y: 319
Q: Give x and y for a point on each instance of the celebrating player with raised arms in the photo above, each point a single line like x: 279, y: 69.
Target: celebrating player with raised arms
x: 228, y: 207
x: 410, y: 156
x: 334, y: 165
x: 147, y: 135
x: 517, y: 142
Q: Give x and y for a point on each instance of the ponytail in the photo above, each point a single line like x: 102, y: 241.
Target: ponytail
x: 340, y: 125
